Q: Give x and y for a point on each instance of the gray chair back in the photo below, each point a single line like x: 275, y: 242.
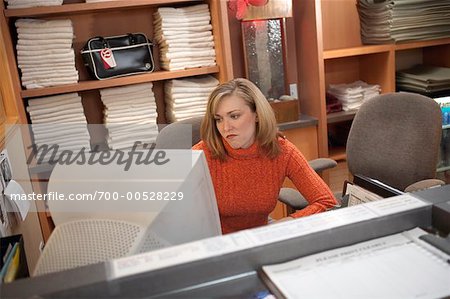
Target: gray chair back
x: 180, y: 135
x: 395, y: 138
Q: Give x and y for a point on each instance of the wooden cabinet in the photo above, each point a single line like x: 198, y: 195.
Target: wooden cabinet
x: 107, y: 18
x: 329, y: 51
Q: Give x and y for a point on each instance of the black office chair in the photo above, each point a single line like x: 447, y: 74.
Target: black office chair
x: 175, y: 136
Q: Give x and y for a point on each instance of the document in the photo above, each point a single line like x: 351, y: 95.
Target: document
x: 396, y: 266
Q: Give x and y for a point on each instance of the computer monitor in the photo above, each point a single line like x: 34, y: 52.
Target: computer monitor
x: 185, y: 209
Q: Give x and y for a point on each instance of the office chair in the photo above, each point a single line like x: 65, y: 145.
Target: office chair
x: 178, y: 135
x: 395, y: 139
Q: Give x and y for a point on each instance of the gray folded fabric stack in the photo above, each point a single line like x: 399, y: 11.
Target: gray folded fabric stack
x: 44, y: 52
x: 353, y: 95
x: 188, y: 97
x: 130, y: 115
x: 402, y: 20
x: 32, y: 3
x: 59, y: 121
x: 185, y: 37
x: 425, y: 79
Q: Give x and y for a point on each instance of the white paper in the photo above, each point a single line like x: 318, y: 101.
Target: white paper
x: 390, y: 267
x: 180, y: 254
x: 23, y: 206
x: 396, y: 204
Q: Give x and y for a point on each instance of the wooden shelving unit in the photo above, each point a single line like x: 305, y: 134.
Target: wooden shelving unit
x: 330, y: 51
x: 107, y: 18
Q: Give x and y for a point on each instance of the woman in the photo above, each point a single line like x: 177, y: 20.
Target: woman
x: 249, y: 160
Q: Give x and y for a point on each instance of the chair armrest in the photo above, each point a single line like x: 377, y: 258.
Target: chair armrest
x: 321, y: 164
x: 424, y: 184
x: 292, y: 198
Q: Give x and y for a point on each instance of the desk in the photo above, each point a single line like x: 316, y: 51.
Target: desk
x: 232, y: 273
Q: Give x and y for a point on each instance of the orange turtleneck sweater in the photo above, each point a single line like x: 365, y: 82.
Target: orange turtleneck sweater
x: 247, y: 184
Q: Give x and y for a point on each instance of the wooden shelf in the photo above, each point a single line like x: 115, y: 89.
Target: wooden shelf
x: 340, y: 116
x: 122, y: 81
x: 75, y: 8
x: 363, y: 50
x: 422, y: 44
x: 337, y: 153
x: 443, y: 168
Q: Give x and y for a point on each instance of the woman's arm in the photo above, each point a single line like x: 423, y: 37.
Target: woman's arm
x: 310, y: 185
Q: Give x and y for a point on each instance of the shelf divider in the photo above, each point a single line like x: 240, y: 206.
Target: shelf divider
x: 122, y: 81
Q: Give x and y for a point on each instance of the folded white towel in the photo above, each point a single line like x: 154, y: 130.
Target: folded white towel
x: 123, y: 128
x: 71, y: 111
x: 32, y: 3
x: 47, y: 128
x: 129, y: 108
x: 191, y: 54
x: 47, y: 57
x: 62, y: 43
x: 48, y: 84
x: 182, y: 66
x: 201, y: 81
x: 127, y: 89
x: 61, y: 119
x: 137, y: 114
x: 188, y: 9
x: 37, y: 30
x: 81, y: 131
x: 188, y: 59
x: 36, y: 111
x: 58, y: 68
x: 46, y: 36
x: 43, y: 47
x: 190, y: 45
x: 180, y: 34
x: 184, y: 40
x: 64, y: 139
x: 53, y: 51
x: 184, y: 22
x: 66, y: 98
x: 47, y: 75
x: 61, y: 80
x: 184, y: 26
x: 187, y: 100
x: 39, y: 23
x: 126, y: 98
x: 136, y: 118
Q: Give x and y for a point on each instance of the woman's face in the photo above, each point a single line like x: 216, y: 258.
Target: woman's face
x: 236, y: 122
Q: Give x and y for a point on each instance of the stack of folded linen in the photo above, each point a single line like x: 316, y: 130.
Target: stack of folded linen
x: 184, y: 36
x: 130, y: 115
x: 425, y: 79
x: 59, y: 122
x: 401, y: 20
x: 32, y: 3
x: 188, y: 97
x: 353, y: 95
x: 44, y: 52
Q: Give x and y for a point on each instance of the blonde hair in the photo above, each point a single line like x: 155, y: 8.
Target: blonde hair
x: 266, y: 127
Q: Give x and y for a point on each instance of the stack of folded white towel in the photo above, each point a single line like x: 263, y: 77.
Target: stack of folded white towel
x: 188, y: 97
x: 59, y: 120
x: 44, y: 52
x: 184, y: 36
x: 130, y: 115
x: 353, y: 95
x: 32, y: 3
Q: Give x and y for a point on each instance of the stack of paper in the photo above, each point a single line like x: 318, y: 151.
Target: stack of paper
x: 424, y: 79
x: 58, y: 123
x: 188, y: 97
x: 396, y: 266
x: 353, y: 95
x: 401, y: 20
x: 130, y: 115
x: 44, y: 52
x: 185, y: 37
